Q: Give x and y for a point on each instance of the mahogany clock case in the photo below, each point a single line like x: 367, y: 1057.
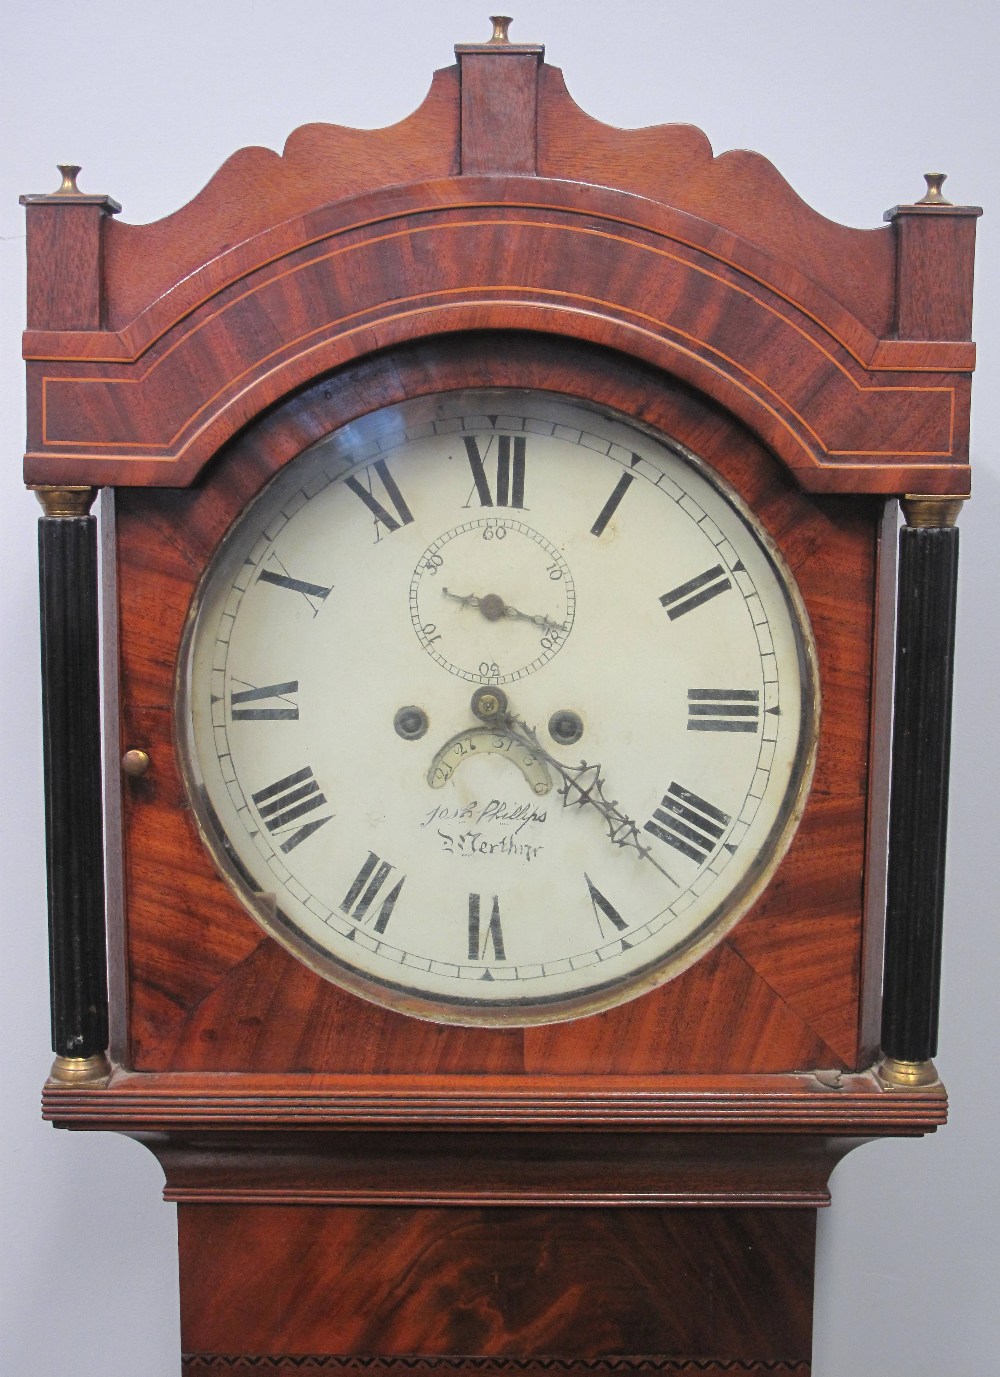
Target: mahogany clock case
x: 654, y: 1168
x: 206, y: 990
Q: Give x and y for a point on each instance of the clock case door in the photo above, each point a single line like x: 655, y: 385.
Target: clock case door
x: 497, y: 237
x: 781, y: 992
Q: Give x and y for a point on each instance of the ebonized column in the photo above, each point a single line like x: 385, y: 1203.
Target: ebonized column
x: 925, y: 638
x: 71, y: 726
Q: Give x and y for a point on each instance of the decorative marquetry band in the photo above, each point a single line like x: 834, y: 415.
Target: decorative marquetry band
x: 218, y: 1363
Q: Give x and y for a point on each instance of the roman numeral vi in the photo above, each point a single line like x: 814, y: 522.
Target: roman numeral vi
x: 479, y: 940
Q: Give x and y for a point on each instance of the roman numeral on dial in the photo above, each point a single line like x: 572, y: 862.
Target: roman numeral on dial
x: 284, y: 802
x: 687, y: 596
x: 509, y: 490
x: 479, y: 940
x: 604, y: 910
x: 272, y: 703
x: 314, y: 593
x: 612, y: 504
x: 403, y: 515
x: 366, y: 888
x: 688, y: 823
x: 723, y: 710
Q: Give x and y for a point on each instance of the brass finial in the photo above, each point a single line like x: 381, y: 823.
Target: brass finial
x: 501, y: 23
x: 68, y: 186
x: 68, y: 193
x: 933, y: 195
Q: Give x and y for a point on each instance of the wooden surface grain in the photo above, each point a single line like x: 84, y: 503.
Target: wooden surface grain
x: 209, y: 991
x: 500, y: 205
x: 576, y: 1283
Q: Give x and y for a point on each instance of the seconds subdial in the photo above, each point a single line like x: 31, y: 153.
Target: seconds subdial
x: 468, y: 591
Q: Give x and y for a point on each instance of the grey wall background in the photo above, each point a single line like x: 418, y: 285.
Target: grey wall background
x: 852, y: 101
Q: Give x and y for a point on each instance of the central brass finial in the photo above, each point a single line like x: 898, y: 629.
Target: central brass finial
x: 933, y: 195
x: 501, y: 23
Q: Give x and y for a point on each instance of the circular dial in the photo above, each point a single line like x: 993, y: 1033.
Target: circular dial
x: 497, y: 708
x: 492, y: 550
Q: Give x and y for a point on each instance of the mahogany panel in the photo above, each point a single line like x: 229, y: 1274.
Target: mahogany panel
x: 64, y: 266
x: 580, y: 1283
x: 855, y: 1105
x: 490, y: 1168
x: 739, y: 190
x: 489, y: 253
x: 499, y: 110
x: 257, y: 188
x: 209, y: 992
x: 935, y: 256
x: 290, y: 1365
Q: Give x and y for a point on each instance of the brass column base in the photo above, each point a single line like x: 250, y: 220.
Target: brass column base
x: 907, y: 1075
x: 80, y: 1070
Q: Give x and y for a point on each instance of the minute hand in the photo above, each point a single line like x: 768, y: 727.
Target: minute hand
x: 544, y: 622
x: 493, y: 608
x: 584, y: 784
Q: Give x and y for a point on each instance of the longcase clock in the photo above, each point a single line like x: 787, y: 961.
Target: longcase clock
x: 515, y: 851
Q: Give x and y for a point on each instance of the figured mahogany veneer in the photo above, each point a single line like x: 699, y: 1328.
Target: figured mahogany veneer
x: 845, y: 350
x: 207, y: 990
x: 509, y: 1282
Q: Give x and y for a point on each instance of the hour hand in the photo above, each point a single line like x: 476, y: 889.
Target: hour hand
x: 584, y: 785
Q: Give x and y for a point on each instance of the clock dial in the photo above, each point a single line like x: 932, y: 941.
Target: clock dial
x: 495, y: 707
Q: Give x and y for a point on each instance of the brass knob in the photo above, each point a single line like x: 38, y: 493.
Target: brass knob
x: 489, y: 702
x: 135, y: 763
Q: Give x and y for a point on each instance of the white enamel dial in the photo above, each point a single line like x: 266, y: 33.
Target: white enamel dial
x: 496, y: 708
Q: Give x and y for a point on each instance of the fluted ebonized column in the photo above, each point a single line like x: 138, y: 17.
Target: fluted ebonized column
x: 71, y: 725
x: 925, y: 638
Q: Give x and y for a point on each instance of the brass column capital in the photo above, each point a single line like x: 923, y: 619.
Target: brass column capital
x: 64, y: 501
x: 931, y: 509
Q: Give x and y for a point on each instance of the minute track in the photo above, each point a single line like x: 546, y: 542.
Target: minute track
x: 592, y: 905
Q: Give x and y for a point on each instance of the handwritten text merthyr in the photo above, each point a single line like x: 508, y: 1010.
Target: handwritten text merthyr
x: 475, y: 844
